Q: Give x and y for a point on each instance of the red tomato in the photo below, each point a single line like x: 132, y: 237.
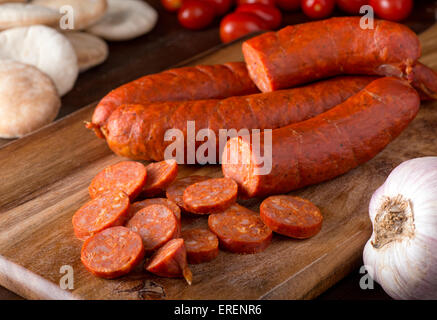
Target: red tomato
x: 288, y: 5
x: 318, y: 9
x: 196, y: 14
x: 221, y: 6
x: 238, y: 24
x: 351, y: 6
x: 271, y: 15
x: 267, y: 2
x: 394, y: 10
x: 171, y: 5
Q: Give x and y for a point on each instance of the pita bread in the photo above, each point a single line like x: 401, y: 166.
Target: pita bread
x: 90, y: 50
x: 85, y: 12
x: 44, y: 48
x: 28, y: 99
x: 125, y: 19
x: 22, y: 14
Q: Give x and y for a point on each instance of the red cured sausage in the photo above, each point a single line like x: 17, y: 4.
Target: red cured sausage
x: 156, y: 225
x: 210, y: 196
x: 159, y: 176
x: 175, y: 192
x: 425, y: 81
x: 171, y: 261
x: 138, y: 132
x: 188, y: 83
x: 127, y: 176
x: 112, y: 253
x: 291, y: 216
x: 240, y: 230
x: 108, y: 210
x: 137, y: 206
x: 327, y: 145
x: 306, y: 52
x: 201, y: 244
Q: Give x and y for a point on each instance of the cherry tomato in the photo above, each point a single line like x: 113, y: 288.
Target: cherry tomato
x: 238, y: 24
x: 271, y: 15
x: 288, y: 5
x: 221, y: 6
x: 395, y: 10
x: 267, y: 2
x: 171, y: 5
x: 351, y: 6
x: 196, y: 14
x: 318, y: 9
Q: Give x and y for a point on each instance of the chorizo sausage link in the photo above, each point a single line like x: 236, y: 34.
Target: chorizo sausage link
x: 425, y: 81
x: 310, y: 51
x: 187, y: 83
x: 137, y: 131
x: 327, y: 145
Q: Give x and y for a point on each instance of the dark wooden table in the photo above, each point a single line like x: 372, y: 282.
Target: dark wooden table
x: 168, y: 45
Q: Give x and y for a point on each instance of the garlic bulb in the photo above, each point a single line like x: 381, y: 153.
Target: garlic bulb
x: 401, y: 255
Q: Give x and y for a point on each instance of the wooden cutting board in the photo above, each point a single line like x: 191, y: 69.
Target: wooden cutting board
x: 44, y: 179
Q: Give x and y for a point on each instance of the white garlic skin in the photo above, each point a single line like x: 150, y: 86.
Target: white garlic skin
x: 407, y: 268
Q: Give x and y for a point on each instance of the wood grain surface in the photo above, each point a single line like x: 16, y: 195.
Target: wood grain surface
x: 44, y: 179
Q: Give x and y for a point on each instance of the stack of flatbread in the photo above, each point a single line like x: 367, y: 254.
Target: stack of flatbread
x: 44, y: 44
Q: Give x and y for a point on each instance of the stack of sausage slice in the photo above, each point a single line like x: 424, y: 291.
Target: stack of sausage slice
x: 119, y: 232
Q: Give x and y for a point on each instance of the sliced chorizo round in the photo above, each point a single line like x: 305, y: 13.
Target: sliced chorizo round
x: 240, y: 230
x: 175, y: 191
x: 156, y: 225
x: 105, y: 211
x: 126, y: 176
x: 202, y: 245
x: 137, y: 206
x: 210, y: 196
x: 112, y: 253
x: 171, y: 261
x: 159, y: 176
x: 291, y: 216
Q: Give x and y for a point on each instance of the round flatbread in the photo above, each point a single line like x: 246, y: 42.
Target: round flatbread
x: 90, y: 50
x: 44, y: 48
x: 85, y: 12
x: 28, y: 99
x: 125, y: 19
x: 22, y: 14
